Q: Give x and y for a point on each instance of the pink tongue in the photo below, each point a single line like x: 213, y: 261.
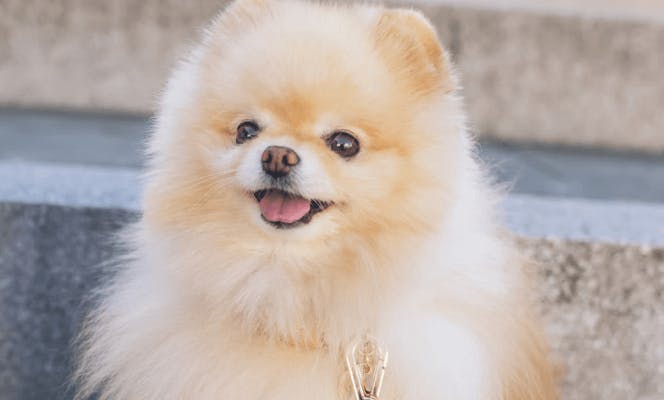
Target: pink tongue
x: 277, y: 207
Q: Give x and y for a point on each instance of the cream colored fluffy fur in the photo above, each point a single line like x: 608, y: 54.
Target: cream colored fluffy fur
x: 213, y: 303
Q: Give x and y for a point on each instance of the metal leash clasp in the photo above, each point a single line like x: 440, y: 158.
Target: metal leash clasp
x: 366, y: 361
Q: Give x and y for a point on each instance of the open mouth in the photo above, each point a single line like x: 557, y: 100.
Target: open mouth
x: 287, y: 210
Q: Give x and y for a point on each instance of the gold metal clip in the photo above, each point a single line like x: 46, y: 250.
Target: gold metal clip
x: 366, y: 362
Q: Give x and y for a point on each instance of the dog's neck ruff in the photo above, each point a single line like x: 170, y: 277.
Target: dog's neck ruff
x: 366, y: 362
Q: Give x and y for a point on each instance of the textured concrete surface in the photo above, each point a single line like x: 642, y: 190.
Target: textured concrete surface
x: 117, y: 141
x: 528, y: 75
x: 603, y: 303
x: 604, y: 306
x: 50, y: 261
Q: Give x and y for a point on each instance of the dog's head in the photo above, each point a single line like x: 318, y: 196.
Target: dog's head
x: 308, y: 122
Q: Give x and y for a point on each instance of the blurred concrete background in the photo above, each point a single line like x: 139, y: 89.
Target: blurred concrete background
x: 534, y: 73
x: 565, y: 96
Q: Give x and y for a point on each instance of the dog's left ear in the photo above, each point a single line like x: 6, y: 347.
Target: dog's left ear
x: 411, y: 48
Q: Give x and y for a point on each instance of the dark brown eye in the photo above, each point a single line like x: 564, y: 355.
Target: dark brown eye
x: 344, y: 144
x: 247, y: 130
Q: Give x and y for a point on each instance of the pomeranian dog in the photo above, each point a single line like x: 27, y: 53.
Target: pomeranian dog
x: 315, y: 226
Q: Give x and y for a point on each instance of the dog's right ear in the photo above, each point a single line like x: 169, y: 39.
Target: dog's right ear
x: 241, y: 13
x: 410, y: 45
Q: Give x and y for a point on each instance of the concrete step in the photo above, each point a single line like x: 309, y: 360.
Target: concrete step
x: 606, y: 221
x: 600, y: 266
x: 533, y: 71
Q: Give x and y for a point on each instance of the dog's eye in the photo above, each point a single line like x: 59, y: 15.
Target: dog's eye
x: 344, y: 144
x: 247, y: 130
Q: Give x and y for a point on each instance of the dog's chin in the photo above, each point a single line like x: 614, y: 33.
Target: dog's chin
x: 285, y: 210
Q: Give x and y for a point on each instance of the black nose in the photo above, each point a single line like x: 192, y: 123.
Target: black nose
x: 278, y: 161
